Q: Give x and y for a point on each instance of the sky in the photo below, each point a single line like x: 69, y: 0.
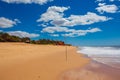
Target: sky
x: 77, y: 22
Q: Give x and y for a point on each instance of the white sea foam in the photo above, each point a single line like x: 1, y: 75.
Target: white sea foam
x: 106, y: 55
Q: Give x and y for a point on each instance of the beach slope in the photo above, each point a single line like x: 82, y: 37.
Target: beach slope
x: 21, y: 61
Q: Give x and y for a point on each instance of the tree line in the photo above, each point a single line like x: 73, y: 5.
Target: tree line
x: 5, y: 37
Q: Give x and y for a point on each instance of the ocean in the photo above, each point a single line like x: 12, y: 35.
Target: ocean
x: 109, y: 56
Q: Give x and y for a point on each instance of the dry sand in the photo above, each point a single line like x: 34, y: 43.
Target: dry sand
x: 20, y: 61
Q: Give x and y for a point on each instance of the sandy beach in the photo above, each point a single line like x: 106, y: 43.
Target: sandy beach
x: 21, y: 61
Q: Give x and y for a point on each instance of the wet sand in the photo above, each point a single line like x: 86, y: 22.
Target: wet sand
x: 93, y: 71
x: 20, y: 61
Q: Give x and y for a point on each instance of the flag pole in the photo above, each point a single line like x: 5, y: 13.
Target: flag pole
x: 66, y: 53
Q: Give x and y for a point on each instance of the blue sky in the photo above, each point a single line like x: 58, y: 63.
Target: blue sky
x: 78, y: 22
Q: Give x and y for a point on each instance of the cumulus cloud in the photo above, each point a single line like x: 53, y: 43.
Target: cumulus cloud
x: 53, y: 13
x: 87, y: 19
x: 23, y: 34
x: 69, y: 32
x: 41, y: 2
x: 54, y: 29
x: 76, y: 33
x: 55, y: 16
x: 7, y: 23
x: 56, y: 22
x: 107, y: 8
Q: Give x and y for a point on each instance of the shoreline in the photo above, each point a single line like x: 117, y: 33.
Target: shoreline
x: 21, y: 61
x: 92, y: 71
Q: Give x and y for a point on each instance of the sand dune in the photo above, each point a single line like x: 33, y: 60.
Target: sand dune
x: 20, y: 61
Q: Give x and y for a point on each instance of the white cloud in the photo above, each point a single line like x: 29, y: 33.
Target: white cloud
x: 41, y: 2
x: 87, y: 19
x: 54, y: 29
x: 55, y: 16
x: 56, y: 22
x: 76, y: 33
x: 69, y: 32
x: 55, y: 35
x: 53, y: 13
x: 107, y: 8
x: 7, y: 23
x: 75, y: 20
x: 23, y: 34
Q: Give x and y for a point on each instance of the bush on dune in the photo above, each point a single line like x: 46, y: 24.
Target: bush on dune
x: 5, y: 37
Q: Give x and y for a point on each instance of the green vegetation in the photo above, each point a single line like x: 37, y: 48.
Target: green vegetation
x: 5, y: 37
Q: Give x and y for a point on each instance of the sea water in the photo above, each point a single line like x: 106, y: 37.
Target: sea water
x: 107, y: 55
